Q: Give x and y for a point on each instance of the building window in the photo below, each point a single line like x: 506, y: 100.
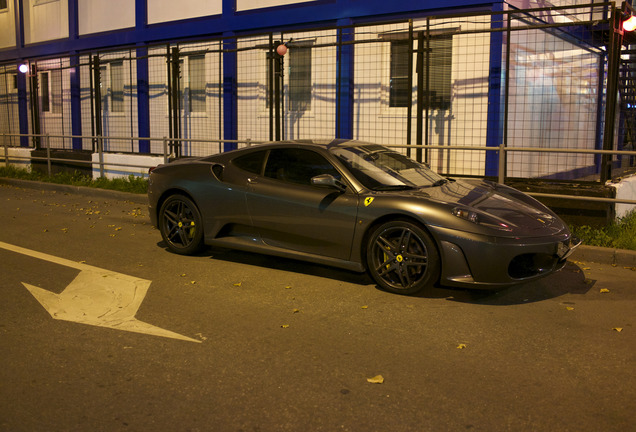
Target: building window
x: 3, y: 5
x: 117, y: 87
x: 196, y: 72
x: 45, y: 92
x: 299, y: 78
x: 56, y: 91
x: 399, y: 85
x: 51, y: 91
x: 439, y: 71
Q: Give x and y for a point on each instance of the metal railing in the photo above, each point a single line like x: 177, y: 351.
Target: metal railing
x: 168, y: 145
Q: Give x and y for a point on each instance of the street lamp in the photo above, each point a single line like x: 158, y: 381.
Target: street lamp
x: 629, y: 24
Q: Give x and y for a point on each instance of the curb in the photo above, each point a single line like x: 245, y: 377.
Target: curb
x: 78, y: 190
x: 600, y: 255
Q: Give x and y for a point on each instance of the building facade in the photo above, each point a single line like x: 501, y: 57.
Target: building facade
x: 440, y: 77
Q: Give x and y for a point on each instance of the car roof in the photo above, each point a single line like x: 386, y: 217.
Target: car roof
x: 326, y: 143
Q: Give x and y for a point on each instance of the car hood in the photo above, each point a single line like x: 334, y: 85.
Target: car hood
x: 501, y: 205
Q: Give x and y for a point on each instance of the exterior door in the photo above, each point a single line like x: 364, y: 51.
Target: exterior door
x: 290, y: 213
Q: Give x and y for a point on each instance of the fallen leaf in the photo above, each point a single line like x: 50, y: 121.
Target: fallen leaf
x: 462, y: 346
x: 570, y: 308
x: 296, y: 310
x: 288, y: 287
x: 238, y: 284
x: 378, y: 379
x: 284, y: 326
x: 604, y: 290
x: 618, y: 329
x: 364, y: 307
x: 193, y: 282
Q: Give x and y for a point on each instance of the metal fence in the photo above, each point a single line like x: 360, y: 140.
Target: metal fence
x: 502, y: 152
x: 452, y: 89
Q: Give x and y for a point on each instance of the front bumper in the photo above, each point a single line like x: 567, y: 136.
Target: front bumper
x: 478, y: 261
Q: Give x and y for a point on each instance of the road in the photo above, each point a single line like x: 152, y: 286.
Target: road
x: 276, y: 345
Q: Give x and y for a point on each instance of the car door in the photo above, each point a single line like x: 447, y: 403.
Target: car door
x: 290, y: 213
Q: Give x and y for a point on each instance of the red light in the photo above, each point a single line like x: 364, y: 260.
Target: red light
x: 629, y: 24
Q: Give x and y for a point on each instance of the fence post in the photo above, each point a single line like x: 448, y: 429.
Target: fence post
x: 502, y: 163
x: 165, y: 150
x: 6, y: 150
x: 100, y: 150
x: 48, y: 153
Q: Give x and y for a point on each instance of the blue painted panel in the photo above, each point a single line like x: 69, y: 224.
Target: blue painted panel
x: 230, y: 105
x: 73, y: 27
x: 311, y: 14
x: 143, y: 99
x: 344, y: 121
x: 76, y: 107
x: 494, y: 131
x: 23, y: 109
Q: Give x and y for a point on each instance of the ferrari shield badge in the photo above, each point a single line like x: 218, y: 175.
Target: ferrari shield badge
x: 368, y: 201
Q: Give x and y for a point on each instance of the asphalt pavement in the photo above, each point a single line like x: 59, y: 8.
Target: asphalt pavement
x: 103, y: 329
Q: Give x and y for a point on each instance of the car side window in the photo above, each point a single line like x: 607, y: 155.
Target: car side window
x: 251, y: 162
x: 297, y: 166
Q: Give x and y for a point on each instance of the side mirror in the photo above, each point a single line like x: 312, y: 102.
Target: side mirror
x: 328, y: 181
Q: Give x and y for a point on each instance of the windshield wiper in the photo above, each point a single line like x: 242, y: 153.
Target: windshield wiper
x: 393, y: 187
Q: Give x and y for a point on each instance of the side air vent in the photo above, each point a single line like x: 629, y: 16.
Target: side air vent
x: 217, y: 170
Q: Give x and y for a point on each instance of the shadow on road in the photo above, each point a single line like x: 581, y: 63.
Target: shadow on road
x: 570, y: 280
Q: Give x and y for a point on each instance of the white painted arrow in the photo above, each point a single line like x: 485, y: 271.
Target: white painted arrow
x: 96, y: 297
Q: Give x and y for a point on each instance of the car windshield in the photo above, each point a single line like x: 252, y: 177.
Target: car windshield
x: 379, y: 168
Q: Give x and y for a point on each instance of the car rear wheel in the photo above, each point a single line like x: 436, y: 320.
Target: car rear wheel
x: 180, y: 225
x: 402, y: 257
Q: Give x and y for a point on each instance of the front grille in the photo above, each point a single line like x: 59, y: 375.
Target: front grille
x: 531, y: 264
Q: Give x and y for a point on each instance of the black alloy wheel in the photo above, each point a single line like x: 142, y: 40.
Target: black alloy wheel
x: 180, y: 225
x: 402, y: 257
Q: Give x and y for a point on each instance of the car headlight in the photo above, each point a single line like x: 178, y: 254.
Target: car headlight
x: 480, y: 219
x: 468, y: 215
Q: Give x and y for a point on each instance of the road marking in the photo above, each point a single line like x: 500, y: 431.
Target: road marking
x: 96, y: 297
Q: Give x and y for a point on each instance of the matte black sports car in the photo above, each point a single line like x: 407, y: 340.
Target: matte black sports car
x: 358, y: 206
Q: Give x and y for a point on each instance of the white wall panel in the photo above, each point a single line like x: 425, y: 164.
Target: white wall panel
x: 96, y: 16
x: 45, y: 20
x: 242, y: 5
x: 169, y: 10
x: 7, y: 26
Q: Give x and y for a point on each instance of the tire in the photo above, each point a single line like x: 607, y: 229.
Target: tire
x: 402, y: 257
x: 180, y: 225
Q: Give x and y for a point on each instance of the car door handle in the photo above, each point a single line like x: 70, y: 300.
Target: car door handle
x: 251, y: 180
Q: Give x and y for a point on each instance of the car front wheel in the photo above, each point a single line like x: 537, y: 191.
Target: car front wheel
x: 402, y: 257
x: 180, y: 225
